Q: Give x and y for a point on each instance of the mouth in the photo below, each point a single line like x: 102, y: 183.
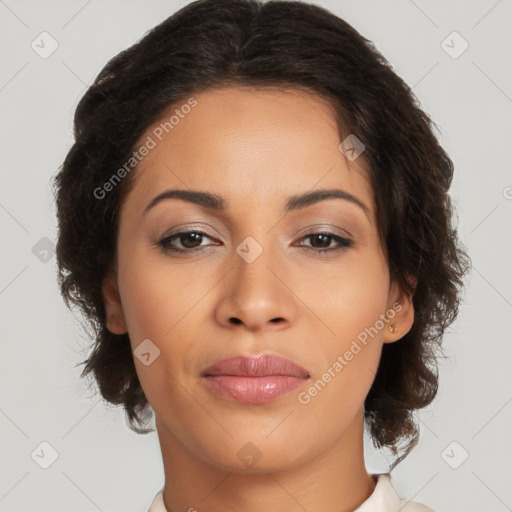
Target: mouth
x: 256, y: 366
x: 254, y: 379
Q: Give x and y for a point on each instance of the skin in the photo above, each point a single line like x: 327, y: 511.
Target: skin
x: 255, y: 148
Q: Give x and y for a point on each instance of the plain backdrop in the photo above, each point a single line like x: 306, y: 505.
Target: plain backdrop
x: 463, y: 461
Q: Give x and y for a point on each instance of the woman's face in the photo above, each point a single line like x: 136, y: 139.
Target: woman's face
x: 255, y: 282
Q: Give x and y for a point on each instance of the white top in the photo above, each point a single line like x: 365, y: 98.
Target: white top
x: 383, y: 499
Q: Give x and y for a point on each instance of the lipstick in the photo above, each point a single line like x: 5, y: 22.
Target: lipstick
x: 254, y: 379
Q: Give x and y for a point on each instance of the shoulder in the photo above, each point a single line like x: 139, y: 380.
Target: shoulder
x: 413, y: 506
x: 385, y: 499
x: 157, y: 504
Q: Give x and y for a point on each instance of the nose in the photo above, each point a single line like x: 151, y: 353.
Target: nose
x: 255, y: 295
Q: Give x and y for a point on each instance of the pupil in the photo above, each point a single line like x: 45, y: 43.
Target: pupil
x: 185, y: 239
x: 325, y: 239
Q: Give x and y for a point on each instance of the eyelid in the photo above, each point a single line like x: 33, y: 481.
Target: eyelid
x: 327, y: 228
x: 311, y: 229
x: 186, y: 227
x: 342, y: 243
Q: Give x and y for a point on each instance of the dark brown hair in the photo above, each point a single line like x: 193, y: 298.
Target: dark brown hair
x: 215, y: 43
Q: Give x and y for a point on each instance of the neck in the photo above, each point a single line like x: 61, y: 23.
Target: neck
x: 334, y: 480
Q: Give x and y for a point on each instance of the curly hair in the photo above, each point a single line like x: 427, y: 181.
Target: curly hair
x: 278, y: 43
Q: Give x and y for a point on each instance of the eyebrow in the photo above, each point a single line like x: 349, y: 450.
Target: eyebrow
x: 215, y: 202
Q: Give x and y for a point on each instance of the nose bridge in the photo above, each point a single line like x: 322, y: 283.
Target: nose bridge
x: 255, y: 296
x: 255, y: 254
x: 257, y: 242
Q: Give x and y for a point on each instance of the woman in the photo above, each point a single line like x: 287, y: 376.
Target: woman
x: 255, y: 218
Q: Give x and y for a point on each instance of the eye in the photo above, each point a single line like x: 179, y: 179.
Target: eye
x: 188, y: 239
x: 325, y: 239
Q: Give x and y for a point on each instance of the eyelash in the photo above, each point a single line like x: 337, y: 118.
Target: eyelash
x: 344, y: 243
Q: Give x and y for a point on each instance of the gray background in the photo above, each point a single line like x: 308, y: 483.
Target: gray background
x: 101, y: 464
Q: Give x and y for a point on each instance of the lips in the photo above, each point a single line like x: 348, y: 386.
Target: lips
x: 254, y: 379
x: 256, y: 366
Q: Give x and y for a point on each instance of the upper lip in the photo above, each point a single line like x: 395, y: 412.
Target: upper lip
x: 256, y: 366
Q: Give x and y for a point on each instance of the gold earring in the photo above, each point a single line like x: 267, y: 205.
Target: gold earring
x: 393, y: 329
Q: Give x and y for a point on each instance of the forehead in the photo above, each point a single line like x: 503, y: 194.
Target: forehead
x: 251, y: 146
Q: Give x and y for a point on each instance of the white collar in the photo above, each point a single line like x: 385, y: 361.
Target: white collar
x: 383, y: 499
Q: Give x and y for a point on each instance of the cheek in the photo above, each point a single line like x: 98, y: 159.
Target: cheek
x: 337, y: 395
x: 352, y: 306
x: 156, y: 295
x: 160, y: 302
x: 354, y: 295
x: 347, y: 360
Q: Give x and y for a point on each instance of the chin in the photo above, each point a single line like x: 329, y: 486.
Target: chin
x: 256, y: 457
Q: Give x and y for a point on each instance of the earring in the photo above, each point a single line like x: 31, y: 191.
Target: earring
x: 393, y: 329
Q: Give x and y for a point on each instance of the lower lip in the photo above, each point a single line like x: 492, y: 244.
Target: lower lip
x: 253, y: 390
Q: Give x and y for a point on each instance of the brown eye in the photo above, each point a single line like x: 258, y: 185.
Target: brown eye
x: 324, y: 240
x: 189, y: 241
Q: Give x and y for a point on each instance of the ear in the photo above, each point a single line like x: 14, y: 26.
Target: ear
x: 116, y: 323
x: 400, y: 314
